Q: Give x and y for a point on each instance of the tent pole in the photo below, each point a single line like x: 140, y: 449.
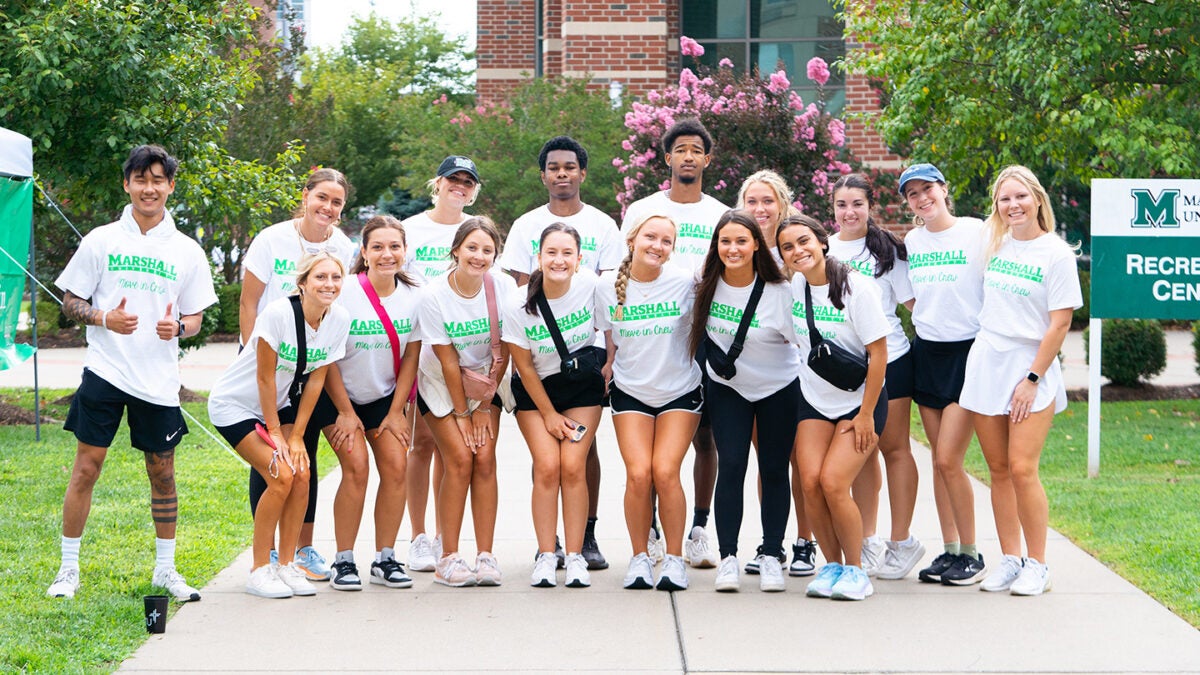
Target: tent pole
x: 33, y: 297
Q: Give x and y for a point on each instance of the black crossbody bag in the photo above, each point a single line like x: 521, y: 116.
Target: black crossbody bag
x: 834, y: 364
x: 723, y: 363
x: 576, y: 366
x: 301, y: 378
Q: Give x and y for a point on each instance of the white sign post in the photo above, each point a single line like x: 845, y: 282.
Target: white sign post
x: 1145, y: 265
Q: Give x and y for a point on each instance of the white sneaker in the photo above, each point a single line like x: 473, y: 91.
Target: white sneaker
x: 437, y: 548
x: 545, y: 569
x: 728, y: 574
x: 295, y: 579
x: 827, y: 577
x: 656, y: 548
x: 170, y: 579
x: 487, y: 569
x: 265, y: 583
x: 852, y: 584
x: 640, y: 574
x: 697, y: 551
x: 1033, y: 580
x: 673, y: 576
x: 1001, y: 578
x: 770, y: 574
x: 901, y: 557
x: 577, y: 572
x: 66, y: 582
x: 873, y: 551
x: 420, y: 554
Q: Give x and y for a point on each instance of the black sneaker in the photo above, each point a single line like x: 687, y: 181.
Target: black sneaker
x: 965, y: 571
x: 804, y: 559
x: 345, y: 576
x: 752, y: 565
x: 390, y: 573
x: 933, y: 573
x: 591, y: 553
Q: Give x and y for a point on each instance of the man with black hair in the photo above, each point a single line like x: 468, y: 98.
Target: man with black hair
x: 563, y: 168
x: 687, y: 149
x: 139, y: 285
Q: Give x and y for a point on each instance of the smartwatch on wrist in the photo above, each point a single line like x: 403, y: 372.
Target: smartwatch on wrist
x: 1033, y: 377
x: 182, y: 327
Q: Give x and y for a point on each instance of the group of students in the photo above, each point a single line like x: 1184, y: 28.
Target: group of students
x: 698, y: 325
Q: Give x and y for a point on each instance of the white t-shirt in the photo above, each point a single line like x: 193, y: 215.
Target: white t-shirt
x: 1024, y: 282
x: 894, y: 287
x: 946, y: 272
x: 860, y: 323
x: 769, y: 361
x: 428, y: 245
x: 575, y: 314
x: 163, y: 267
x: 446, y: 318
x: 600, y: 241
x: 652, y: 362
x: 234, y: 397
x: 696, y: 222
x: 368, y: 369
x: 275, y: 252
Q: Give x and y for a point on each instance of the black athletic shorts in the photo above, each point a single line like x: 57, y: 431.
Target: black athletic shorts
x: 807, y: 412
x: 370, y: 414
x: 692, y: 402
x: 939, y: 369
x: 96, y: 410
x: 564, y: 392
x: 900, y: 377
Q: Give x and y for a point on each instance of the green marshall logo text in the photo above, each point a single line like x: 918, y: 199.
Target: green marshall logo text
x: 1015, y: 269
x: 565, y: 323
x: 654, y: 310
x: 375, y: 327
x: 462, y: 329
x: 731, y: 314
x: 1151, y: 211
x: 694, y: 231
x: 825, y: 313
x: 141, y: 263
x: 313, y: 355
x: 433, y: 253
x: 285, y: 267
x: 585, y: 244
x: 936, y: 259
x: 865, y: 267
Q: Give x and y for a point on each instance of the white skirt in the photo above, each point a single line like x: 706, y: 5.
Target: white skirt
x: 432, y: 388
x: 993, y: 375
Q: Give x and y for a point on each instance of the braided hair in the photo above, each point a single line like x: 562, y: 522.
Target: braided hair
x: 626, y: 266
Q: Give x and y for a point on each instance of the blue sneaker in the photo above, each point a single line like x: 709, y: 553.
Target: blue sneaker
x: 853, y: 584
x: 822, y: 586
x: 312, y: 564
x: 274, y: 557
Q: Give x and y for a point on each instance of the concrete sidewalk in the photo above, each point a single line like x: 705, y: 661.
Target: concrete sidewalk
x: 1093, y: 621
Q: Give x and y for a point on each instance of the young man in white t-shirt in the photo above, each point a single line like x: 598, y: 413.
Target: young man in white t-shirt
x: 687, y: 149
x: 139, y: 285
x: 562, y: 165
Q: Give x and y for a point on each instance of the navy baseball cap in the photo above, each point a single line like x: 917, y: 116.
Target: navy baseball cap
x: 926, y: 172
x: 455, y: 163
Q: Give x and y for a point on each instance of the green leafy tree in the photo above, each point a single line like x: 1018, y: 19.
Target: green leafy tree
x: 383, y: 75
x: 1074, y: 89
x: 504, y: 140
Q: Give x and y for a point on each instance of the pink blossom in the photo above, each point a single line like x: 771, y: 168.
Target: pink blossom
x: 665, y: 185
x: 721, y: 185
x: 480, y: 109
x: 617, y: 160
x: 778, y: 82
x: 818, y: 70
x: 725, y: 63
x: 689, y: 47
x: 626, y: 145
x: 794, y: 101
x: 837, y: 132
x: 687, y: 78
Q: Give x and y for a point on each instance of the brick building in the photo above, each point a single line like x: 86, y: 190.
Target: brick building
x: 634, y: 46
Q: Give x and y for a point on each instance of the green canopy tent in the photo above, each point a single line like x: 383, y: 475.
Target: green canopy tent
x: 16, y: 229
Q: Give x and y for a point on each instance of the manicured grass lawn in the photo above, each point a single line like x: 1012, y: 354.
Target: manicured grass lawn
x: 1141, y: 517
x: 103, y: 625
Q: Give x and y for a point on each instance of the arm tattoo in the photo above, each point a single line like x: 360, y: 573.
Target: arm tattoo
x: 80, y: 310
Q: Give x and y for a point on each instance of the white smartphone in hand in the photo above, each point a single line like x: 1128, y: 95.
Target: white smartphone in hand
x: 578, y: 432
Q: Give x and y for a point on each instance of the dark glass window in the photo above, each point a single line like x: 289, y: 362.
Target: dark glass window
x: 763, y: 34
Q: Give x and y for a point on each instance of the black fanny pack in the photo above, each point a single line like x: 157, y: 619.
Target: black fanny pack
x: 577, y: 365
x: 834, y: 364
x: 722, y: 363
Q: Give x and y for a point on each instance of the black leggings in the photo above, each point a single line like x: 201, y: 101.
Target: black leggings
x: 258, y: 485
x: 732, y: 425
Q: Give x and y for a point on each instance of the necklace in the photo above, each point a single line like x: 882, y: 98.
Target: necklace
x: 454, y: 286
x: 310, y: 246
x: 644, y: 281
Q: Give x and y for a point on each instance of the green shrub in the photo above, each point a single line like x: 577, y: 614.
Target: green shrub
x: 905, y: 317
x: 227, y: 307
x: 50, y: 318
x: 1079, y: 318
x: 1133, y: 350
x: 1196, y: 344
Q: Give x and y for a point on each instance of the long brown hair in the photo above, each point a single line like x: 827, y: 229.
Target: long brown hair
x: 836, y: 271
x: 374, y: 225
x: 883, y: 245
x: 706, y: 288
x: 536, y: 278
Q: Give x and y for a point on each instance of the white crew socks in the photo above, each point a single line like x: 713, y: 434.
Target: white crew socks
x: 164, y: 552
x: 70, y: 552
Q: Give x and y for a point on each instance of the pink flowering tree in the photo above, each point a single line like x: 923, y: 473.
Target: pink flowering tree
x: 756, y: 123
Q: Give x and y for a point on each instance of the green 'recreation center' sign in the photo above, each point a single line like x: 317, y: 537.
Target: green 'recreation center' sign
x: 1145, y: 249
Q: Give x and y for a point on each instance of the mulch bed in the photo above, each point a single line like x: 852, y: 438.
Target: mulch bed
x: 1149, y: 392
x: 14, y: 414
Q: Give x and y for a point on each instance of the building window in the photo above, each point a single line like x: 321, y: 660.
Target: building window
x: 759, y: 34
x: 289, y: 14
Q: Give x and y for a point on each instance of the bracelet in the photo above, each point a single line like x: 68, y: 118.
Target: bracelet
x: 104, y: 319
x: 465, y: 413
